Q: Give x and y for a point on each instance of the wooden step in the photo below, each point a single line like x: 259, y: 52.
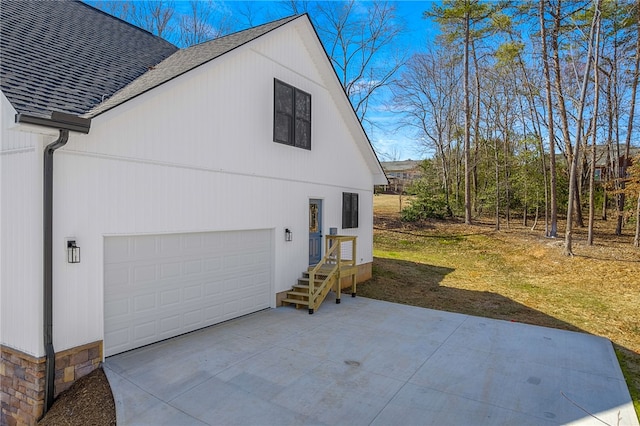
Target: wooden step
x: 298, y: 293
x: 305, y: 281
x: 323, y: 270
x: 296, y: 302
x: 303, y: 287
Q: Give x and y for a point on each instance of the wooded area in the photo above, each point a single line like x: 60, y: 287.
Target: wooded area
x: 529, y: 107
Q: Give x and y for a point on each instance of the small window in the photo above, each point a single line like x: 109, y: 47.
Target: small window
x: 349, y: 210
x: 291, y: 116
x: 598, y: 174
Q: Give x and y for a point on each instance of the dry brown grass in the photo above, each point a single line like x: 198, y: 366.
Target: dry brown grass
x: 514, y: 274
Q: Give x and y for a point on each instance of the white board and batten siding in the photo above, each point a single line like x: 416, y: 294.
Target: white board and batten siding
x: 20, y: 234
x: 195, y: 158
x: 161, y: 286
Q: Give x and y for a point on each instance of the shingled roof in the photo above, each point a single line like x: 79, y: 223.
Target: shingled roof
x: 185, y: 60
x: 68, y: 56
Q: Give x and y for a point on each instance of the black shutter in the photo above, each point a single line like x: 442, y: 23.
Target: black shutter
x: 346, y: 210
x: 354, y: 210
x: 349, y: 210
x: 303, y: 120
x: 283, y: 113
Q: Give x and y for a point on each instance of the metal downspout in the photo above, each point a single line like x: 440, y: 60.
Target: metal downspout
x: 50, y: 366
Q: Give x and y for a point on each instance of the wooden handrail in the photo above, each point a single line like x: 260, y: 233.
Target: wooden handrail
x: 333, y: 253
x: 312, y: 276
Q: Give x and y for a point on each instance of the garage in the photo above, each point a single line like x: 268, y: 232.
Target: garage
x: 161, y: 286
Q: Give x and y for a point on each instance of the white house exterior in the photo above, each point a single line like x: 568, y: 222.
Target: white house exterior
x: 178, y: 198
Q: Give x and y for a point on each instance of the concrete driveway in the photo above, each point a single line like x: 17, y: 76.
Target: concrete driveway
x: 370, y: 362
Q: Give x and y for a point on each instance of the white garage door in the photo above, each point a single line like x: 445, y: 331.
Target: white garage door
x: 161, y: 286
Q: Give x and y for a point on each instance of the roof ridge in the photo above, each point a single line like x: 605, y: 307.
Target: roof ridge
x: 255, y: 27
x: 185, y: 60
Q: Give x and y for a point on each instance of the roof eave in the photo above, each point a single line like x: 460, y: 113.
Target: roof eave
x: 58, y: 120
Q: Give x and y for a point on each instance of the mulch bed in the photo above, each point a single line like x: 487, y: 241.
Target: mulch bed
x: 88, y: 401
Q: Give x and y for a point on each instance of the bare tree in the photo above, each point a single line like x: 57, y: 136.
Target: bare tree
x: 558, y: 26
x: 428, y: 95
x: 573, y: 187
x: 463, y: 22
x: 249, y: 11
x: 355, y: 41
x: 360, y: 40
x: 594, y: 132
x: 205, y: 20
x: 635, y: 74
x: 155, y: 16
x: 553, y: 232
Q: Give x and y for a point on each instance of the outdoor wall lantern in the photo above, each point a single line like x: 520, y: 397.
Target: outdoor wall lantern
x: 288, y: 235
x: 73, y: 252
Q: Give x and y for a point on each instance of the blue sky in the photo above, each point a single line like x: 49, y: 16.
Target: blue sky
x: 390, y: 142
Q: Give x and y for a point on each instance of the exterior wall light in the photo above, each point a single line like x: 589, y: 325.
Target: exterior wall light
x: 288, y: 235
x: 73, y: 252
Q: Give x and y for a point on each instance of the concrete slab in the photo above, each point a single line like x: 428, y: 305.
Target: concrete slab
x: 372, y: 363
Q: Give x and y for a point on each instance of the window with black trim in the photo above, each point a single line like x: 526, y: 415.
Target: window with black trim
x: 291, y: 115
x: 349, y: 210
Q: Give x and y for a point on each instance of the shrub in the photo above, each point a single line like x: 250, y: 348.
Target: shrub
x: 423, y: 207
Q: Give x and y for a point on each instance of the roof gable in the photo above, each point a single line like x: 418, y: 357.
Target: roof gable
x: 185, y: 60
x: 67, y: 56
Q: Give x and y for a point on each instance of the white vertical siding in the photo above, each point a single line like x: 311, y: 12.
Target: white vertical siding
x: 196, y: 155
x: 20, y: 237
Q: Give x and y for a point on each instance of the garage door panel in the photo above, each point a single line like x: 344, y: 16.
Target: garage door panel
x: 192, y: 292
x: 116, y: 308
x: 144, y: 247
x: 170, y: 297
x: 144, y: 302
x: 144, y: 273
x: 192, y: 267
x: 172, y: 284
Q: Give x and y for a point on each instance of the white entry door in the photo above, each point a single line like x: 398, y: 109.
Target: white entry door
x: 161, y: 286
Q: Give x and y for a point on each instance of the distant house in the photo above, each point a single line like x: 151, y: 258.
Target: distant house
x: 400, y: 174
x: 605, y: 160
x: 180, y: 187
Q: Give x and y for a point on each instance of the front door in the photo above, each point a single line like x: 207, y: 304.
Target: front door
x: 315, y: 231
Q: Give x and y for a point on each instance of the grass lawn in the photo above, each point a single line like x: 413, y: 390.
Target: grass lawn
x: 514, y: 274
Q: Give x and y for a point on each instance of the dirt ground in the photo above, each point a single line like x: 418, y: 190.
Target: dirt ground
x: 88, y: 402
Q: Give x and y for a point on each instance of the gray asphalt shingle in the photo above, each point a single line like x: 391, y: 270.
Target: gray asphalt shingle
x: 70, y: 57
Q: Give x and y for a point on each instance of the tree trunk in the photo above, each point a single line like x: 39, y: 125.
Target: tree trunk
x: 573, y: 187
x: 467, y: 122
x: 507, y: 177
x: 553, y: 232
x: 619, y: 175
x: 476, y: 126
x: 594, y: 127
x: 634, y: 90
x: 564, y: 121
x: 636, y: 240
x: 497, y: 176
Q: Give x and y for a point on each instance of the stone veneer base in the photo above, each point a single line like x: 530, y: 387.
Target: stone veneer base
x: 22, y: 380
